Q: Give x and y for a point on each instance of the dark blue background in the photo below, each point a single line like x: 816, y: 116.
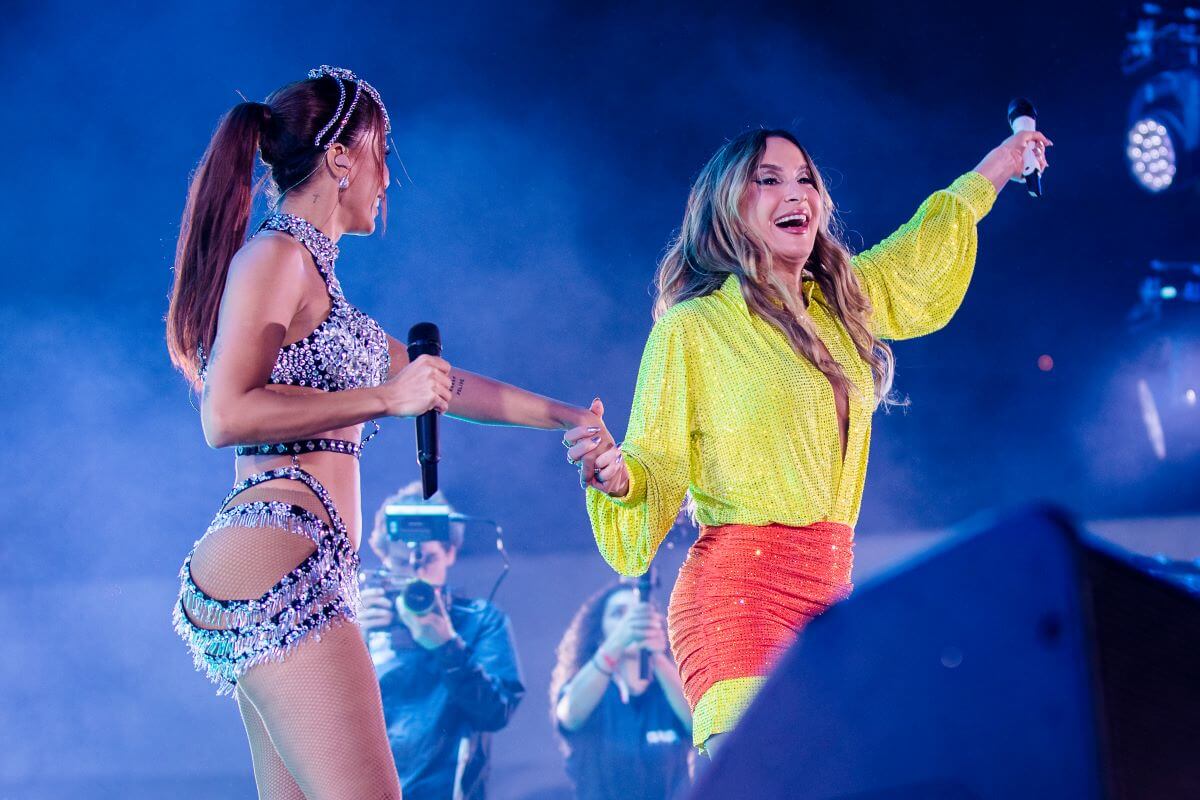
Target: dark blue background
x: 550, y: 148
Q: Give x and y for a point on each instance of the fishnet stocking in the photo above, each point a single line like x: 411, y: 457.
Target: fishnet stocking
x: 314, y: 720
x: 238, y: 563
x: 322, y: 708
x: 270, y: 773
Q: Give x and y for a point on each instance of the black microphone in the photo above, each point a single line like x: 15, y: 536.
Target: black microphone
x: 425, y: 340
x: 1022, y: 116
x: 645, y: 581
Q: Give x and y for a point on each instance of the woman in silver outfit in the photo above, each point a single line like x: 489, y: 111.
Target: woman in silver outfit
x: 289, y: 374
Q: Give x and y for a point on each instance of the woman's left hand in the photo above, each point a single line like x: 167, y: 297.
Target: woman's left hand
x: 1006, y: 162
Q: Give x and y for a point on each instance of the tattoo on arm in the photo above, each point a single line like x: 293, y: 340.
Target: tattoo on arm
x: 212, y: 357
x: 456, y: 386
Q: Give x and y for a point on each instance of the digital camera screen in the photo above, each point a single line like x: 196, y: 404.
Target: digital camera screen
x: 424, y: 522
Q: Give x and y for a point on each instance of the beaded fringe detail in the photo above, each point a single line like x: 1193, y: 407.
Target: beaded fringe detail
x: 306, y: 601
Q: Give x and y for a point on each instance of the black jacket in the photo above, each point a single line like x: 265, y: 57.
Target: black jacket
x: 435, y: 700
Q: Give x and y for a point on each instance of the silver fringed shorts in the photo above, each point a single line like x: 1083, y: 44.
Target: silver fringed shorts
x: 239, y: 634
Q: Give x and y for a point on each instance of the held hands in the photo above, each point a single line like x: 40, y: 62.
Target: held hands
x: 421, y: 386
x: 642, y: 628
x: 432, y: 629
x: 591, y: 448
x: 1005, y: 162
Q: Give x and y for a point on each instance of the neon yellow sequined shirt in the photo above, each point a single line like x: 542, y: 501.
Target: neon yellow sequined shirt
x: 725, y: 407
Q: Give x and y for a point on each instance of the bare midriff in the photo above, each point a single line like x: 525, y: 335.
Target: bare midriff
x: 337, y: 472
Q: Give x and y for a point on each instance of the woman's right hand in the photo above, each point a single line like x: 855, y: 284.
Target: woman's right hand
x: 1006, y: 162
x: 421, y: 386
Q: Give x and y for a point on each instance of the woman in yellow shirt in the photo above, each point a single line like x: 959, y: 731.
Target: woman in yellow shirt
x: 755, y: 395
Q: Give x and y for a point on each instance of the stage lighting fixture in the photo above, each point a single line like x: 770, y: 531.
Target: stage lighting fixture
x: 1167, y: 288
x: 1162, y: 140
x: 1164, y: 327
x: 1164, y: 131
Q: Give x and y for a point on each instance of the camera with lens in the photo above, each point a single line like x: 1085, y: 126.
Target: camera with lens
x: 393, y: 585
x: 412, y: 523
x: 417, y: 595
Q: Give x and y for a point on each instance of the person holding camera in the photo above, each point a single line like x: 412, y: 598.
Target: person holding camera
x: 447, y: 665
x: 623, y: 735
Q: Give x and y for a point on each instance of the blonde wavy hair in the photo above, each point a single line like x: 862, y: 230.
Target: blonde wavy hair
x: 715, y: 242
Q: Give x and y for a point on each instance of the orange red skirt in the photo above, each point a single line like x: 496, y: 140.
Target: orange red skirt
x: 742, y: 596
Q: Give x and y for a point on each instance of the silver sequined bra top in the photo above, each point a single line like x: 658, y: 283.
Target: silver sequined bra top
x: 348, y: 350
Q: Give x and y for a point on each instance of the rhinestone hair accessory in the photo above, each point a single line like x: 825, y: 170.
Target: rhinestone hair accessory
x: 341, y: 74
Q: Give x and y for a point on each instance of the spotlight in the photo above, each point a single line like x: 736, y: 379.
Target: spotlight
x: 1164, y: 131
x: 1163, y: 137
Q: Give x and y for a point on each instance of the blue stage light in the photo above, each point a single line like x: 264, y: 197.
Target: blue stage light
x: 1162, y: 140
x: 1164, y: 131
x: 1151, y: 152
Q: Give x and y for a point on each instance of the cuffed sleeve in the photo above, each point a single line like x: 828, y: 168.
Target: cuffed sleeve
x: 917, y: 277
x: 657, y: 451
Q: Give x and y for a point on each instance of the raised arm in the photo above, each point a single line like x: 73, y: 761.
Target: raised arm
x: 917, y: 277
x: 476, y: 398
x: 263, y: 293
x: 586, y: 688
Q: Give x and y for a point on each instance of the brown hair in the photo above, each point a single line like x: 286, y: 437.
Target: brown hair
x: 579, y: 643
x: 714, y: 242
x: 221, y: 195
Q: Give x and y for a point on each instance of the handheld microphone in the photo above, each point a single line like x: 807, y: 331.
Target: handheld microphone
x: 425, y: 340
x: 645, y: 581
x: 1022, y: 116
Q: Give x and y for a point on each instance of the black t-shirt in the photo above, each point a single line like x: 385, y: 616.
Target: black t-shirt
x: 629, y: 750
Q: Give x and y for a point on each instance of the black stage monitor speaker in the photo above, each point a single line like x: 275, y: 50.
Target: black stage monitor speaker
x: 1019, y: 659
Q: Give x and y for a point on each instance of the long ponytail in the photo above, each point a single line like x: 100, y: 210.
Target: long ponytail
x: 283, y: 132
x: 213, y: 228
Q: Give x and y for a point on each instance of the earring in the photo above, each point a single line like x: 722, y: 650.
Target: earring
x: 344, y: 183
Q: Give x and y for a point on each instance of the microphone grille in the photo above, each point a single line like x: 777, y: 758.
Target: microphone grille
x: 424, y: 339
x: 424, y: 332
x: 1020, y: 107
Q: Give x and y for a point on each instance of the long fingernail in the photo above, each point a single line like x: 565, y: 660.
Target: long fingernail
x: 595, y: 440
x: 593, y: 430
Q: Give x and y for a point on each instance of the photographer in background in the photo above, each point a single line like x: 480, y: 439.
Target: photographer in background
x: 624, y: 736
x: 448, y: 674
